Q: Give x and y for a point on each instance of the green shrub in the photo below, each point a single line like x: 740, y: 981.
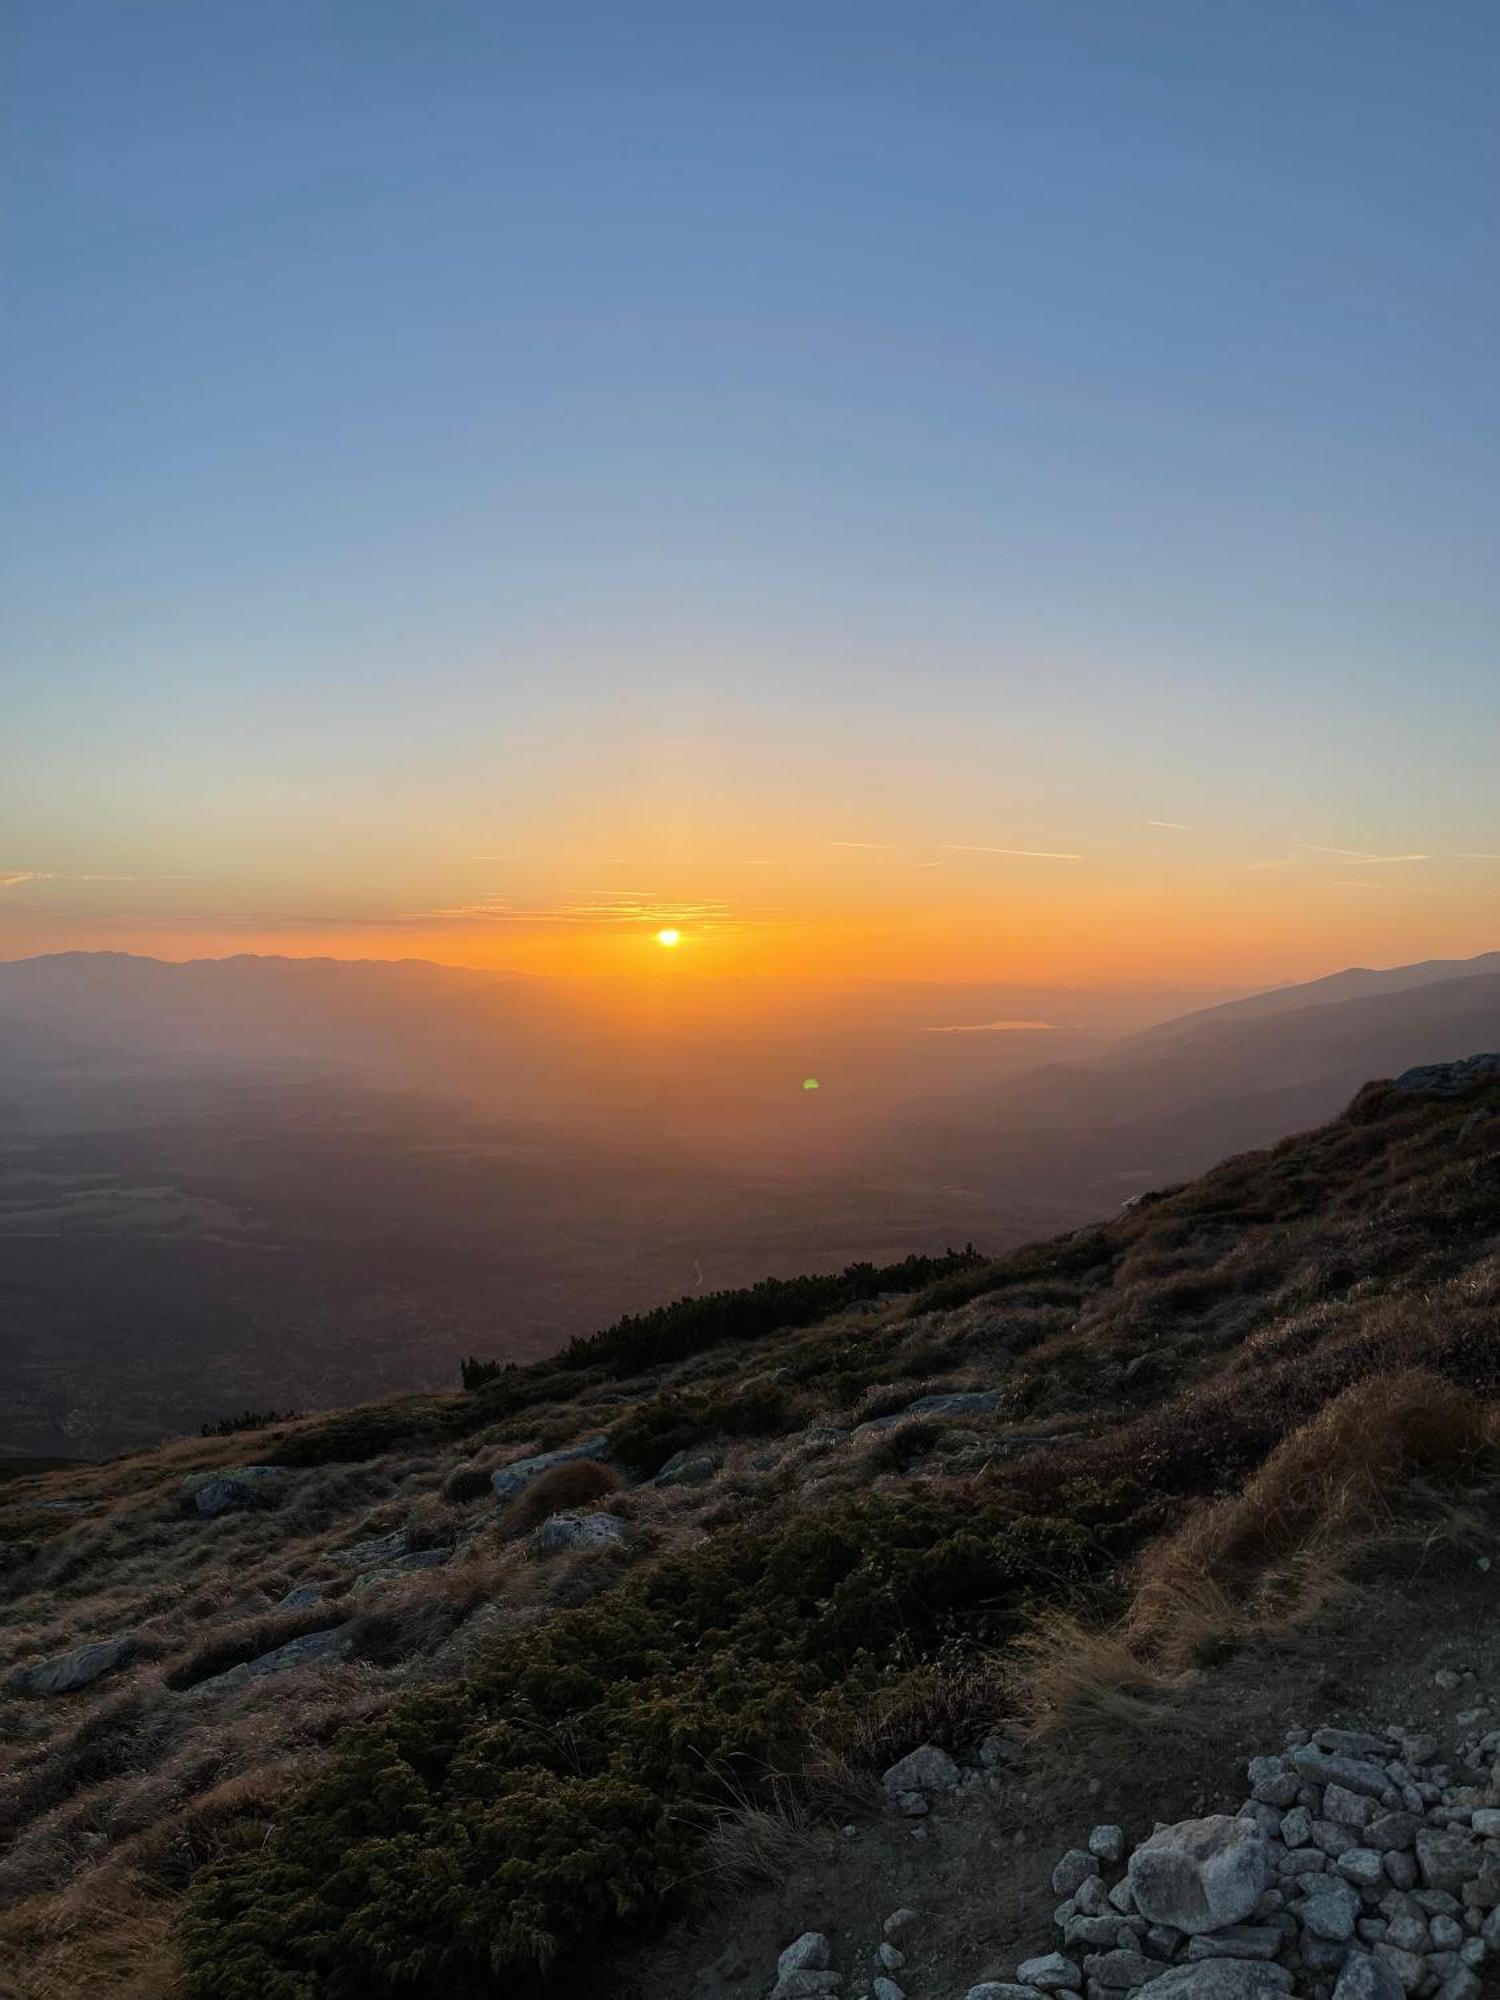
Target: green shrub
x: 677, y: 1421
x: 247, y: 1420
x: 506, y: 1832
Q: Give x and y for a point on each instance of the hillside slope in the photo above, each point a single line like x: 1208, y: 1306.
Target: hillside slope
x: 403, y: 1714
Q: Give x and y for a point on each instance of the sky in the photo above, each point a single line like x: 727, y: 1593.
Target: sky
x: 1000, y: 490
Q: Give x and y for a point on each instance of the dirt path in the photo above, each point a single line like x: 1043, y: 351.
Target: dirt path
x: 979, y: 1873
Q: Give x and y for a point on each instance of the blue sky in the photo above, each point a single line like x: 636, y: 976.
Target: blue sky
x: 633, y: 436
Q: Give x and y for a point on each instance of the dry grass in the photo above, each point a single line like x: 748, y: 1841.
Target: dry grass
x: 1359, y: 1476
x: 579, y: 1483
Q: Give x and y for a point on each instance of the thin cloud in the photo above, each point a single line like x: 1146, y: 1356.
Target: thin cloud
x: 604, y: 906
x: 1019, y: 853
x: 12, y: 878
x: 996, y: 1028
x: 1359, y: 856
x: 1170, y: 825
x: 868, y: 846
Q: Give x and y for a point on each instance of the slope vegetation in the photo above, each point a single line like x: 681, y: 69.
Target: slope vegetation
x: 384, y: 1725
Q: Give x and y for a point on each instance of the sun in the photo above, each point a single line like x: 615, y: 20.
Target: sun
x: 669, y: 937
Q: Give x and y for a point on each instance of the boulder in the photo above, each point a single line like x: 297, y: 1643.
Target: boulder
x: 808, y: 1953
x: 1446, y: 1860
x: 68, y: 1672
x: 379, y: 1549
x: 509, y: 1480
x: 312, y: 1649
x: 928, y: 1771
x: 1449, y: 1079
x: 299, y: 1597
x: 1236, y: 1941
x: 1200, y: 1874
x: 1051, y: 1973
x: 685, y: 1468
x: 1354, y: 1774
x: 1218, y: 1979
x: 954, y: 1403
x: 233, y: 1489
x: 392, y: 1572
x: 578, y: 1531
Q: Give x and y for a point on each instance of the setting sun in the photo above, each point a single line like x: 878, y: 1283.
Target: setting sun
x: 669, y: 937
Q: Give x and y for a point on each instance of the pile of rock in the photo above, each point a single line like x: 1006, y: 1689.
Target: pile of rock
x: 803, y: 1970
x: 1357, y: 1868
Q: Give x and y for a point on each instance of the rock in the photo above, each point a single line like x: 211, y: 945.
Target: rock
x: 806, y: 1985
x: 1461, y: 1985
x: 1446, y: 1860
x: 996, y: 1750
x: 1486, y: 1823
x: 1218, y: 1979
x: 927, y: 1771
x: 1098, y: 1933
x: 1447, y: 1933
x: 1122, y: 1897
x: 1107, y: 1843
x: 1353, y: 1743
x: 1408, y: 1933
x: 1401, y: 1869
x: 1392, y: 1831
x: 391, y: 1572
x: 953, y: 1403
x: 685, y: 1468
x: 1236, y: 1941
x: 1363, y: 1866
x: 1367, y: 1978
x: 379, y: 1549
x: 808, y: 1953
x: 1001, y: 1989
x: 1483, y: 1893
x: 1448, y: 1079
x: 889, y: 1957
x: 1200, y: 1874
x: 1296, y: 1827
x: 1120, y: 1970
x: 66, y: 1673
x: 1352, y: 1809
x: 1408, y: 1969
x: 1330, y: 1913
x: 578, y: 1531
x: 899, y: 1921
x: 914, y: 1805
x: 1162, y: 1941
x: 1052, y: 1973
x: 312, y: 1649
x: 1075, y: 1868
x: 1091, y: 1897
x: 1333, y: 1839
x: 887, y: 1989
x: 233, y: 1489
x: 1322, y: 1767
x: 508, y: 1480
x: 298, y: 1598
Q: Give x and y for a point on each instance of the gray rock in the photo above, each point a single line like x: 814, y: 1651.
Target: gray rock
x: 1352, y: 1809
x: 1200, y: 1874
x: 1236, y: 1941
x: 379, y: 1549
x: 1408, y: 1933
x: 1401, y: 1869
x: 1322, y: 1767
x: 806, y: 1985
x: 1120, y: 1971
x: 1486, y: 1823
x: 1483, y: 1893
x: 1091, y: 1898
x: 808, y: 1953
x: 685, y: 1468
x: 1107, y: 1843
x: 392, y: 1572
x: 1296, y: 1827
x: 953, y: 1403
x: 899, y: 1921
x: 1353, y: 1743
x: 1446, y: 1860
x: 578, y: 1531
x: 1051, y: 1973
x: 300, y: 1597
x: 1098, y: 1933
x: 887, y: 1989
x: 1218, y: 1979
x: 1392, y: 1831
x: 1364, y: 1866
x: 1449, y: 1079
x: 1330, y: 1913
x: 1408, y: 1968
x: 1333, y: 1839
x: 927, y: 1771
x: 1001, y: 1989
x: 312, y: 1649
x: 1460, y: 1985
x: 889, y: 1957
x: 1075, y: 1867
x: 1323, y: 1954
x: 66, y: 1673
x: 1162, y: 1941
x: 1447, y: 1933
x: 232, y: 1489
x: 508, y: 1480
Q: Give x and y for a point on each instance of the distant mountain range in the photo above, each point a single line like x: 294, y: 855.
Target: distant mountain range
x: 248, y: 1182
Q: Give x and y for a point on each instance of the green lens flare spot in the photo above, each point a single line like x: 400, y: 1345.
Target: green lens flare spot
x: 810, y: 1083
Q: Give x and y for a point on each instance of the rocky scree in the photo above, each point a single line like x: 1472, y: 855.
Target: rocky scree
x: 1358, y: 1868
